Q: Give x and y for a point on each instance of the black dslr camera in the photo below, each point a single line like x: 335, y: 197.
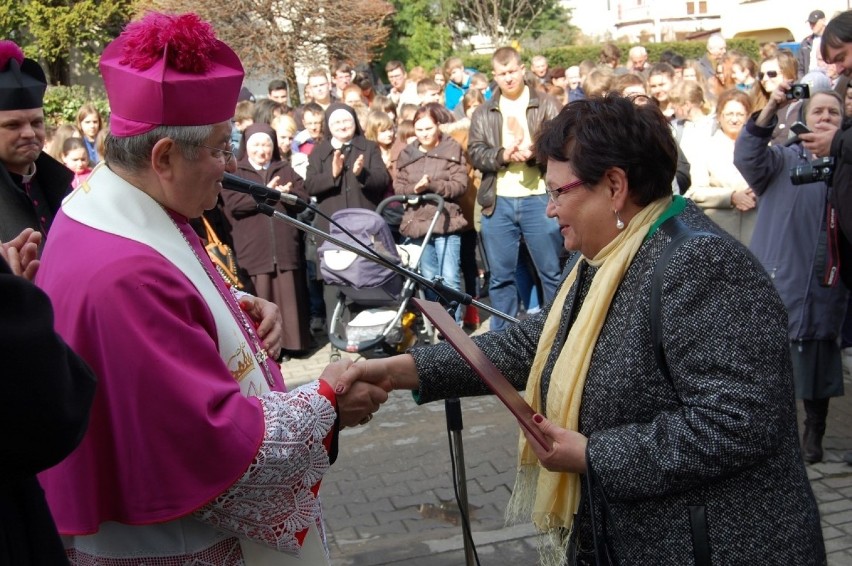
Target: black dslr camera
x: 798, y: 91
x: 817, y: 170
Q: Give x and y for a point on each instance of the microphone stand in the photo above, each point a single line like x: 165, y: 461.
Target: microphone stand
x: 452, y: 406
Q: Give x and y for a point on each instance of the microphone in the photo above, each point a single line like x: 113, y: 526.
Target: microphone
x: 261, y: 192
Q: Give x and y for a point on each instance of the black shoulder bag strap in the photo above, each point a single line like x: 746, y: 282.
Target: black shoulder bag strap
x: 679, y: 233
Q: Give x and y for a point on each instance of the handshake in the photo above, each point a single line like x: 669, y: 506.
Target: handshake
x: 362, y: 387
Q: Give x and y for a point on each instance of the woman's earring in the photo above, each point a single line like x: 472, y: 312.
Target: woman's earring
x: 618, y: 222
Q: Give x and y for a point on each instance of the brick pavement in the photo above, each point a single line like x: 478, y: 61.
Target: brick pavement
x: 389, y: 498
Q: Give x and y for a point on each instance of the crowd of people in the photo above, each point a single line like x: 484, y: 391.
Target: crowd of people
x: 454, y: 133
x: 566, y: 185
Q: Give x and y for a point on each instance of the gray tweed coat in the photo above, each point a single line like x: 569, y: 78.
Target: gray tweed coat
x: 721, y: 435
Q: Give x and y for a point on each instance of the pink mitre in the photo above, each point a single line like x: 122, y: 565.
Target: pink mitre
x: 169, y: 70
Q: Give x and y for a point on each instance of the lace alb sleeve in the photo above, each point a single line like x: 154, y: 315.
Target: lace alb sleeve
x: 275, y: 501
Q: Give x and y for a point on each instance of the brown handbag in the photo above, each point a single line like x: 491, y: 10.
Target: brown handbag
x: 222, y: 256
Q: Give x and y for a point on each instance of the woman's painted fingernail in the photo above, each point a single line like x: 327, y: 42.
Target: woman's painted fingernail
x: 538, y: 418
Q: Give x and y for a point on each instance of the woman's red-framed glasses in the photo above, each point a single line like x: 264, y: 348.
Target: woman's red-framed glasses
x: 554, y: 193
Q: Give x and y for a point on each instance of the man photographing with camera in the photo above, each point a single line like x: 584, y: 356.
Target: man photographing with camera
x: 836, y: 49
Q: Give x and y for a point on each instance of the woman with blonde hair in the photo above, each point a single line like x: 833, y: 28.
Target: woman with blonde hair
x: 693, y: 127
x: 598, y: 82
x: 692, y: 100
x: 380, y: 128
x: 692, y: 72
x: 285, y: 130
x: 718, y: 187
x: 774, y: 71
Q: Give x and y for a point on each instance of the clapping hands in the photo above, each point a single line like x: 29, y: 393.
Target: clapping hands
x: 358, y: 166
x: 21, y: 253
x: 338, y: 161
x: 516, y: 154
x: 275, y: 184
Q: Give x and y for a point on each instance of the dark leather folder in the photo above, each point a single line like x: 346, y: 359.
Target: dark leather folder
x: 483, y: 367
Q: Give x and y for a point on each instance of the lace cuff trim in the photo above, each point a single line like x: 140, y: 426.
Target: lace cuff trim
x: 275, y: 501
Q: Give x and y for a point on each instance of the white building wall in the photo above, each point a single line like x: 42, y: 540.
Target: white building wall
x: 594, y: 18
x: 662, y: 20
x: 768, y: 20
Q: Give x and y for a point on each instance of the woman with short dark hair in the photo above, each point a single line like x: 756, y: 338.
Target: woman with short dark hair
x: 685, y: 444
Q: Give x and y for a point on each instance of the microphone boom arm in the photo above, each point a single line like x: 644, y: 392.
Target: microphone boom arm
x: 448, y: 294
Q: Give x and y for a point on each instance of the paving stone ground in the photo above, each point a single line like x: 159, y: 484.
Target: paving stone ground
x: 389, y: 499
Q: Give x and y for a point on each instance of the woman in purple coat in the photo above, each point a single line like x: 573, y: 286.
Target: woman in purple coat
x: 270, y: 249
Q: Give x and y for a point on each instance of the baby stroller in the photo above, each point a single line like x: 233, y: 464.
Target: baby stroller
x: 372, y: 315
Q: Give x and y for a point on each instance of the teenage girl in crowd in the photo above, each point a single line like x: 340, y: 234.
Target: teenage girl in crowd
x: 379, y: 128
x: 89, y: 123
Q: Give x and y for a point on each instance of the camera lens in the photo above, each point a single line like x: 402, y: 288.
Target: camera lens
x: 815, y: 171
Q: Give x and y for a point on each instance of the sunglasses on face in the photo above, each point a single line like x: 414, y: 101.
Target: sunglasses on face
x: 769, y: 74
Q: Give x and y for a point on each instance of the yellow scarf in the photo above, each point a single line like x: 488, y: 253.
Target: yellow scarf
x: 554, y: 497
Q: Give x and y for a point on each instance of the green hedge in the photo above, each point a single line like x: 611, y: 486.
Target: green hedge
x: 61, y: 103
x: 573, y: 54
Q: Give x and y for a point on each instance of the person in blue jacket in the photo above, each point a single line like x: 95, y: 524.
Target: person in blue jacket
x: 458, y: 82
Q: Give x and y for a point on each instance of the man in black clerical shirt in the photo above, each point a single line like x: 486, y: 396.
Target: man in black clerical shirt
x: 32, y: 184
